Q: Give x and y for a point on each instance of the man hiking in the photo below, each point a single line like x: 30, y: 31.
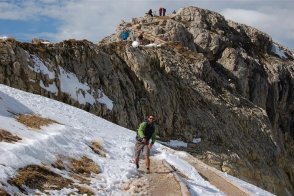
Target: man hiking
x: 146, y: 131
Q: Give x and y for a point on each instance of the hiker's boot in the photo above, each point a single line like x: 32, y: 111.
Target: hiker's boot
x: 148, y: 171
x: 137, y: 165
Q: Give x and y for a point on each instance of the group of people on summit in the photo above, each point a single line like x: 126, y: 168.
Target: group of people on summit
x: 162, y: 12
x: 125, y: 33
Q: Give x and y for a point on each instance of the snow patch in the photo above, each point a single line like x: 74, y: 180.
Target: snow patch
x: 153, y: 45
x: 51, y: 88
x: 278, y: 51
x: 175, y: 143
x: 70, y: 84
x: 105, y: 100
x: 196, y: 140
x: 81, y: 92
x: 40, y: 67
x: 3, y: 38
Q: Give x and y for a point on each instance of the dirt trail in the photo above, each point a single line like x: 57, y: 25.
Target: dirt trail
x: 160, y: 181
x: 164, y: 180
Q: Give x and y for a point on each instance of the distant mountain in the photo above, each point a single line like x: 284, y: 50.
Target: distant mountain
x: 204, y: 77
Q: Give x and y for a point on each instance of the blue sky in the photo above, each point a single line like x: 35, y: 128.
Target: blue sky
x: 57, y: 20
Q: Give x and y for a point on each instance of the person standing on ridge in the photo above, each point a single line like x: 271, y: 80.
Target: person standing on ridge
x: 163, y: 11
x: 146, y: 131
x: 150, y: 12
x: 160, y: 11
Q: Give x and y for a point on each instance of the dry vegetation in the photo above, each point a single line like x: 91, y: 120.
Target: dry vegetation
x: 3, y: 193
x: 79, y: 169
x: 97, y: 147
x: 84, y: 190
x: 37, y: 177
x: 187, y: 53
x: 33, y: 121
x: 6, y: 136
x: 41, y: 178
x: 84, y: 166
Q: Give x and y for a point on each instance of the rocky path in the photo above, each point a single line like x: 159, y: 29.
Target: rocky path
x: 160, y: 181
x: 164, y: 180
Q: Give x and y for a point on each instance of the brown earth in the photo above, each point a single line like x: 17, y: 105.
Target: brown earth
x: 6, y: 136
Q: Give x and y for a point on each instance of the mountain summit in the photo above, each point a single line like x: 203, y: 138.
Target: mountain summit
x: 203, y: 76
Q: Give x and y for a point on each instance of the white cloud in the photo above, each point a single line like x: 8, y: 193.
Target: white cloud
x: 95, y: 19
x: 274, y: 21
x: 11, y: 12
x: 249, y: 17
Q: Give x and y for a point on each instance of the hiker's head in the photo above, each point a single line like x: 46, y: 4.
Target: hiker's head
x: 151, y: 118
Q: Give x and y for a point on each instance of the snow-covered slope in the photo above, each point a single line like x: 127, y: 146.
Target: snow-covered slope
x: 71, y: 137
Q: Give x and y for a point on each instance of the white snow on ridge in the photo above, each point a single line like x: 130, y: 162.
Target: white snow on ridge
x: 39, y: 67
x: 70, y: 84
x: 175, y: 143
x: 3, y: 38
x: 105, y: 100
x: 178, y: 143
x: 51, y: 88
x: 278, y: 51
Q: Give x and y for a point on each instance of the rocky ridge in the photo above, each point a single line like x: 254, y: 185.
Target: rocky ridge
x: 215, y: 79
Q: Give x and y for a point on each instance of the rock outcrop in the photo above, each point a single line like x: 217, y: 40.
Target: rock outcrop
x: 224, y: 82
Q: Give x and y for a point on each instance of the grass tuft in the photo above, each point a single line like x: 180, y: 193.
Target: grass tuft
x: 38, y: 177
x: 79, y: 168
x: 3, y: 192
x: 33, y: 121
x: 83, y: 190
x: 97, y: 147
x: 84, y: 166
x: 6, y: 136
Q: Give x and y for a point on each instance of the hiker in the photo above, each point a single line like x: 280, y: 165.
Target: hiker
x: 140, y: 38
x: 160, y: 11
x: 163, y: 11
x: 125, y: 34
x: 146, y: 131
x: 150, y: 12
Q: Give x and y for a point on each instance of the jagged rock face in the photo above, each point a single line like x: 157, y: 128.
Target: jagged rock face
x: 214, y: 79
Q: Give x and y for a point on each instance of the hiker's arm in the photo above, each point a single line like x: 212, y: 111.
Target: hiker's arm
x: 153, y: 137
x: 141, y: 130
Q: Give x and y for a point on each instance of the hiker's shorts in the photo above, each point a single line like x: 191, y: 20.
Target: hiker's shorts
x: 139, y: 146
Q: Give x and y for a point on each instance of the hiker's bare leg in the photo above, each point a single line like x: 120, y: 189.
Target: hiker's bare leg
x: 136, y: 160
x: 147, y: 161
